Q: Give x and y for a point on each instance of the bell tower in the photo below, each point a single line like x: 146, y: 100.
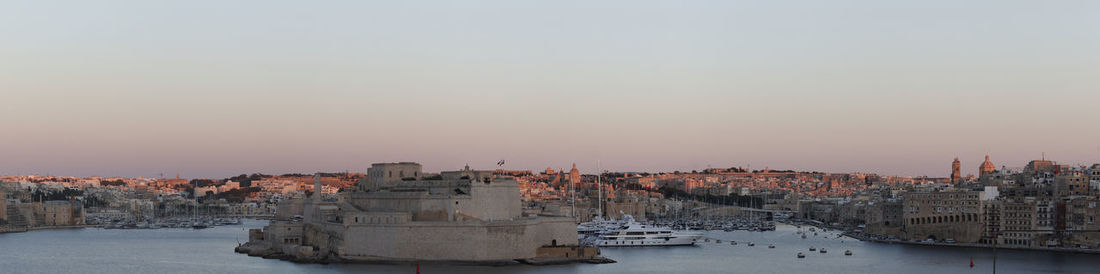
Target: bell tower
x: 956, y: 173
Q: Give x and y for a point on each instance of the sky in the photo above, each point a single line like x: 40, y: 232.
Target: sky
x: 209, y: 88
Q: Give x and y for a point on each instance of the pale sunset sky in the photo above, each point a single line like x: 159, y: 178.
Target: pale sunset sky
x: 217, y: 88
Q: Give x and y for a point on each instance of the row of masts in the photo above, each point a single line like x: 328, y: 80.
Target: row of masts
x: 599, y: 193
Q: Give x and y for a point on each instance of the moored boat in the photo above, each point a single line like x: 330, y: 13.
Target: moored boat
x: 632, y: 233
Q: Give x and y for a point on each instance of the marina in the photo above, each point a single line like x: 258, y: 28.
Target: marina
x: 194, y: 223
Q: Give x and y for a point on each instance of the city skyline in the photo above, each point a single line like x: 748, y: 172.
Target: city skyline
x: 212, y: 89
x: 583, y: 169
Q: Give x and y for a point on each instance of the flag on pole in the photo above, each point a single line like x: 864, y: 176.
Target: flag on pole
x: 501, y: 163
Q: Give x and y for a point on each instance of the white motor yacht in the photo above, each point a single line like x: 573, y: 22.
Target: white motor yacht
x: 632, y: 233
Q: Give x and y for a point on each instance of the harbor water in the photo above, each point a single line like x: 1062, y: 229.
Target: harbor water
x: 176, y: 250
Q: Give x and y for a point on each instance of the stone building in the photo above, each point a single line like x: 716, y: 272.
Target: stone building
x: 3, y: 205
x: 852, y: 213
x: 1094, y: 177
x: 823, y: 211
x: 288, y: 209
x: 1084, y: 215
x: 999, y: 178
x: 397, y: 213
x: 1073, y: 183
x: 1018, y: 223
x: 939, y: 215
x: 1043, y: 165
x: 991, y: 216
x: 885, y: 218
x: 389, y: 172
x: 626, y: 204
x: 58, y: 213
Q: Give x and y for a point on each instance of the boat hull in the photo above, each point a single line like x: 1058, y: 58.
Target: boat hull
x: 678, y: 241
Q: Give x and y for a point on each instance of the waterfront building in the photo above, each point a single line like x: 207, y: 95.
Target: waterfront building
x: 1083, y: 215
x: 59, y: 213
x: 1047, y: 216
x: 992, y: 216
x: 885, y: 218
x: 824, y: 211
x: 1018, y: 222
x: 942, y: 214
x: 3, y: 206
x: 625, y: 204
x: 398, y: 213
x: 108, y: 214
x: 1094, y: 177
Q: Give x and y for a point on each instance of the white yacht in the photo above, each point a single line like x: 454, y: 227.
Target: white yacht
x: 632, y: 233
x: 588, y: 232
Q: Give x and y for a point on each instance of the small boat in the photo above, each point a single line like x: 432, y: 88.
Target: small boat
x: 803, y: 236
x: 813, y: 248
x: 823, y: 250
x: 751, y: 244
x: 800, y: 255
x: 733, y: 242
x: 771, y: 246
x: 848, y: 253
x: 717, y: 241
x: 706, y: 240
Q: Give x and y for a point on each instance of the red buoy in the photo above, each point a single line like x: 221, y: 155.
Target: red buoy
x: 418, y: 267
x: 971, y: 263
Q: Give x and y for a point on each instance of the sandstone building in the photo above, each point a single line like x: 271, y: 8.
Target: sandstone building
x: 399, y: 213
x: 955, y: 214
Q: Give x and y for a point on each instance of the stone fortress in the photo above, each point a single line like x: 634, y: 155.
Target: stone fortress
x: 397, y: 213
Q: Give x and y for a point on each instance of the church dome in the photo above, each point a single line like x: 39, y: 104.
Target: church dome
x: 987, y: 166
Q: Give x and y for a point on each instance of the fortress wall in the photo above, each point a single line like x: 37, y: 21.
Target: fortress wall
x: 561, y: 230
x: 460, y: 241
x: 496, y: 201
x: 283, y: 233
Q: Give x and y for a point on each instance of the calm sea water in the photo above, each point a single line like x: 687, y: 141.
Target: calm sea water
x: 211, y: 251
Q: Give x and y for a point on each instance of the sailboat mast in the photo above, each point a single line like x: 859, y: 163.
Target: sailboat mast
x: 599, y: 188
